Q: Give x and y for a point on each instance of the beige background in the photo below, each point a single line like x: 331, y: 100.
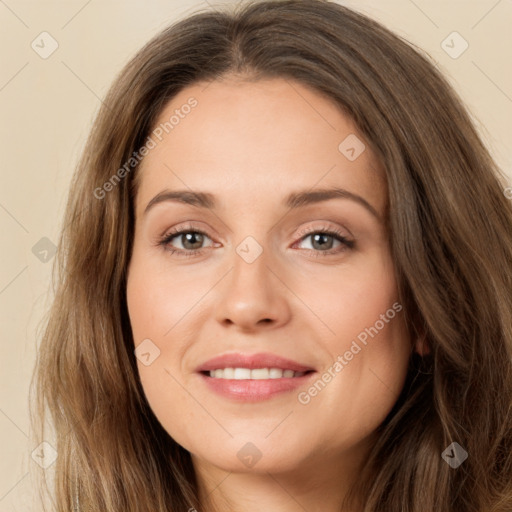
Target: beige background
x: 47, y: 106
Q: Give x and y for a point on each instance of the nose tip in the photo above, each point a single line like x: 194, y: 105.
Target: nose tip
x: 247, y: 313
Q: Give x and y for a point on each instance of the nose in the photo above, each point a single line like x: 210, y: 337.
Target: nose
x: 253, y: 296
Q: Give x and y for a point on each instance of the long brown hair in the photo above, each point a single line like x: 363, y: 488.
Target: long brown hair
x: 450, y: 232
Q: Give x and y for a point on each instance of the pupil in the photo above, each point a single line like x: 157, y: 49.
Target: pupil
x: 194, y: 239
x: 320, y: 238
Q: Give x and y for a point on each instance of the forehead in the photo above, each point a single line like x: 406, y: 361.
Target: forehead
x: 257, y: 141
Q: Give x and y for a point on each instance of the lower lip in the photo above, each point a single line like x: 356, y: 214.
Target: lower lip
x: 248, y: 390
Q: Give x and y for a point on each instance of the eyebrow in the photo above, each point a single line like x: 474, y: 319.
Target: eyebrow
x: 293, y: 201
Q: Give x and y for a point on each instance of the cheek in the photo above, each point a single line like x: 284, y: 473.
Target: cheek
x: 367, y: 343
x: 159, y: 299
x: 353, y: 298
x: 157, y: 303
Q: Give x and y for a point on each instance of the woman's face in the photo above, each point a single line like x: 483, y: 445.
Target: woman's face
x: 258, y: 275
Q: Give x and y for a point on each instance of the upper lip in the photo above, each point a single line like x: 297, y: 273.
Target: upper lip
x: 252, y: 361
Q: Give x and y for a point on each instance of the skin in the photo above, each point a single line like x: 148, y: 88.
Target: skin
x: 251, y: 144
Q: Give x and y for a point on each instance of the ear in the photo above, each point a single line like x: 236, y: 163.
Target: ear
x: 421, y: 346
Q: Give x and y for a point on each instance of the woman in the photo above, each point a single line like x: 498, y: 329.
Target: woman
x: 284, y: 280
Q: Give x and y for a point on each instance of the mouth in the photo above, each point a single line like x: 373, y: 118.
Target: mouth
x: 253, y: 377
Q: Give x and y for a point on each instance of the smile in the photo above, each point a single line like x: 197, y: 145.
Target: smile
x: 254, y: 374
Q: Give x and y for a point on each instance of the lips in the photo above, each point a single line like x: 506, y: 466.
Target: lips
x: 253, y: 377
x: 252, y: 361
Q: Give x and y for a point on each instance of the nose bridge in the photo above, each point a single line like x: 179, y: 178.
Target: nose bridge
x: 252, y: 294
x: 250, y: 276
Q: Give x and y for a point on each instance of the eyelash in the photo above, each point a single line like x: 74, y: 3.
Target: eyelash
x: 348, y: 244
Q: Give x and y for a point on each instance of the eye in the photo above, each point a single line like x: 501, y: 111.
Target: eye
x: 323, y: 241
x: 190, y: 239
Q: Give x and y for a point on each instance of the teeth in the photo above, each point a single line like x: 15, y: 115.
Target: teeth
x: 227, y: 373
x: 240, y: 373
x: 256, y: 374
x: 260, y: 373
x: 275, y: 373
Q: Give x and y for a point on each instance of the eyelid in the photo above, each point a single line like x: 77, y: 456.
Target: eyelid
x: 326, y: 227
x: 184, y: 226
